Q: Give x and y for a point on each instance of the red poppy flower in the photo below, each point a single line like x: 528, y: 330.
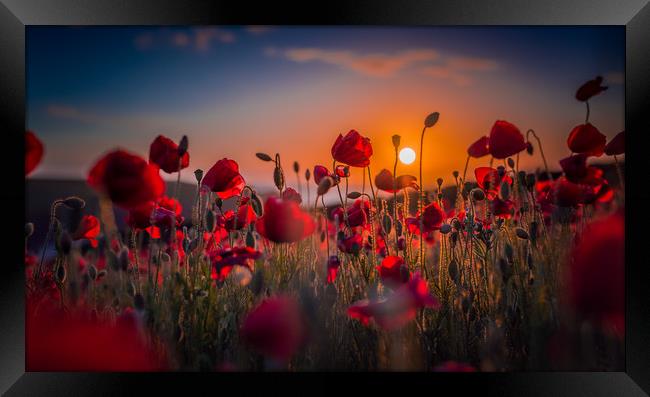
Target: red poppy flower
x: 224, y: 179
x: 353, y: 149
x: 321, y: 172
x: 333, y: 264
x: 566, y: 193
x: 164, y: 153
x: 589, y: 89
x: 88, y: 229
x: 224, y: 260
x: 140, y: 217
x: 384, y: 181
x: 245, y: 216
x: 291, y: 195
x: 358, y: 213
x: 505, y: 140
x: 575, y: 167
x: 597, y: 273
x: 167, y: 211
x: 393, y: 271
x: 73, y: 343
x: 479, y: 148
x: 616, y: 146
x: 454, y: 366
x: 489, y: 180
x: 33, y: 151
x: 585, y: 138
x: 433, y: 217
x: 284, y: 221
x: 351, y: 244
x: 127, y: 179
x: 502, y: 208
x: 275, y: 328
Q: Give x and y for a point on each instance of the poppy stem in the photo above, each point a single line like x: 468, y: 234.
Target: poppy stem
x: 619, y: 173
x: 541, y: 151
x: 421, y: 202
x: 465, y: 170
x: 395, y: 200
x: 587, y: 117
x: 327, y: 228
x: 53, y: 208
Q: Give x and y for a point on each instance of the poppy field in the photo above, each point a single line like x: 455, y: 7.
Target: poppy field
x: 493, y: 268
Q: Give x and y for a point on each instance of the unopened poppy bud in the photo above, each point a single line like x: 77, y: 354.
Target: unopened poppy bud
x: 296, y: 167
x: 505, y: 191
x: 478, y: 194
x: 396, y: 140
x: 445, y: 228
x: 198, y: 174
x: 529, y: 148
x: 60, y: 274
x: 278, y: 178
x: 521, y: 233
x: 398, y: 228
x: 101, y: 273
x: 264, y: 157
x: 324, y: 186
x: 521, y: 175
x: 387, y: 222
x: 209, y: 221
x: 501, y: 170
x: 452, y: 270
x: 530, y: 181
x: 354, y: 195
x: 511, y: 162
x: 29, y: 229
x: 250, y: 239
x: 307, y: 174
x: 455, y: 174
x: 138, y: 302
x: 182, y: 146
x: 401, y: 244
x: 74, y: 202
x: 431, y: 119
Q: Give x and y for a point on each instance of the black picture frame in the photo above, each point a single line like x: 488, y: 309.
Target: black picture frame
x: 15, y: 15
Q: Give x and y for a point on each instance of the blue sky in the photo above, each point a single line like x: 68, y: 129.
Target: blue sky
x: 238, y: 90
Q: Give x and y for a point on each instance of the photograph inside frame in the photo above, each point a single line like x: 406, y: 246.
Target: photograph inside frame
x: 276, y: 198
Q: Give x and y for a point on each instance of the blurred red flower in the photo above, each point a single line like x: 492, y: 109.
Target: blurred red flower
x: 384, y: 181
x: 163, y: 213
x: 33, y: 151
x: 88, y: 229
x: 505, y: 140
x: 489, y: 180
x: 575, y: 167
x: 284, y: 221
x: 358, y: 213
x: 223, y: 260
x: 590, y: 88
x: 321, y: 172
x: 479, y: 148
x: 616, y: 145
x: 597, y: 273
x: 224, y: 179
x: 502, y: 208
x: 352, y: 149
x: 275, y: 328
x: 164, y: 153
x: 127, y: 179
x: 433, y: 217
x: 393, y: 271
x: 291, y: 195
x: 351, y: 244
x: 245, y: 216
x: 333, y: 264
x: 585, y: 138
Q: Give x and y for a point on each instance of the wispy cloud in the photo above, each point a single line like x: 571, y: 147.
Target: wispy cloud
x: 198, y: 39
x: 457, y: 69
x: 86, y: 116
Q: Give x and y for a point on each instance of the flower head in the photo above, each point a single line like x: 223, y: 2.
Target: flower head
x: 284, y: 221
x: 165, y: 154
x: 585, y: 138
x: 224, y: 179
x: 505, y: 140
x: 352, y: 149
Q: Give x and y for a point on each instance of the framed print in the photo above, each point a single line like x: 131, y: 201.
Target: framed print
x: 428, y: 194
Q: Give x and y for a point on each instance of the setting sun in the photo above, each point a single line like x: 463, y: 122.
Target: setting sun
x: 407, y: 155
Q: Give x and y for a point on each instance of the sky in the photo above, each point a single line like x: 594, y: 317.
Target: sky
x: 238, y: 90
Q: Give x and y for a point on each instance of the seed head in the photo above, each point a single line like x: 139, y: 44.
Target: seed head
x: 198, y: 174
x: 296, y: 167
x: 396, y: 140
x: 325, y: 185
x: 431, y: 119
x: 182, y: 146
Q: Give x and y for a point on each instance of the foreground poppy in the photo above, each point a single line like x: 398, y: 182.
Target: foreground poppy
x: 597, y: 273
x: 479, y: 148
x: 275, y: 328
x: 284, y: 221
x: 505, y: 140
x: 393, y: 271
x: 432, y: 219
x: 164, y: 152
x: 384, y: 181
x: 616, y: 146
x: 352, y: 149
x: 224, y: 179
x: 88, y: 229
x: 589, y: 89
x: 33, y: 152
x: 127, y: 179
x: 585, y: 138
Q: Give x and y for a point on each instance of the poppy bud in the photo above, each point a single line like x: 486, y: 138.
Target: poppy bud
x: 264, y: 157
x: 505, y: 191
x: 307, y: 174
x: 124, y: 259
x: 60, y: 274
x: 250, y: 239
x: 521, y: 233
x: 278, y: 178
x: 530, y: 181
x: 529, y: 148
x: 478, y: 194
x: 74, y: 203
x: 431, y: 119
x: 396, y: 140
x: 455, y: 174
x: 354, y: 195
x: 533, y: 231
x: 401, y: 244
x: 456, y: 224
x: 29, y: 229
x: 296, y: 167
x: 138, y: 302
x: 511, y: 162
x: 521, y: 177
x: 452, y: 269
x: 256, y: 203
x: 182, y: 146
x: 445, y: 228
x: 198, y: 174
x: 387, y: 223
x: 398, y: 228
x: 501, y: 170
x: 209, y: 220
x: 324, y: 186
